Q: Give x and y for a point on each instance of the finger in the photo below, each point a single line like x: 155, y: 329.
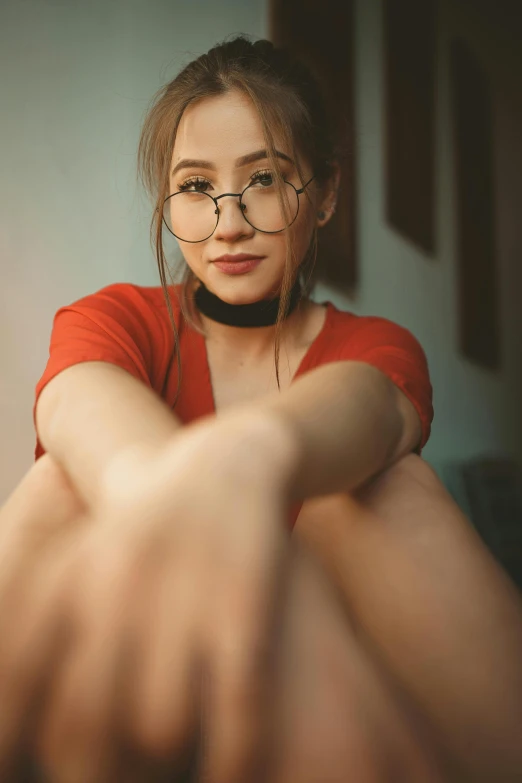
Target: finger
x: 33, y: 529
x: 237, y: 702
x: 76, y: 740
x: 163, y: 702
x: 34, y: 637
x: 235, y: 705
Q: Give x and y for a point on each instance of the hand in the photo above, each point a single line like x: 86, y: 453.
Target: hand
x: 175, y: 604
x: 39, y: 524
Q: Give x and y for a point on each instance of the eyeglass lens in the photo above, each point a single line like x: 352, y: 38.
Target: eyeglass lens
x: 192, y: 216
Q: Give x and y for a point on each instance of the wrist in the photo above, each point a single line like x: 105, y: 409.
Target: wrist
x: 272, y: 441
x: 127, y: 470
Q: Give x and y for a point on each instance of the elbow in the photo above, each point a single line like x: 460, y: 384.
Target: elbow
x: 407, y: 426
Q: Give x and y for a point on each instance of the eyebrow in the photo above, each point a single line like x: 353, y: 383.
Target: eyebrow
x: 192, y: 163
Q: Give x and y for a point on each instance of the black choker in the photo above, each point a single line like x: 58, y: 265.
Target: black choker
x: 263, y: 313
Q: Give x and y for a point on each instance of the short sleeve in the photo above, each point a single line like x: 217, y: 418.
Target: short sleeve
x: 394, y: 351
x: 109, y: 326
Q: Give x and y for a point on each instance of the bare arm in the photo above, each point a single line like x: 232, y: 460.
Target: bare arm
x: 92, y: 413
x: 349, y: 422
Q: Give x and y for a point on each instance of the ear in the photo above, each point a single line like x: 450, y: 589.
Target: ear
x: 328, y: 200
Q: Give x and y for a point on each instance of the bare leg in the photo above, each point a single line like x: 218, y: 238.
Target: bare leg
x: 336, y: 715
x: 338, y: 718
x: 43, y: 500
x: 435, y: 608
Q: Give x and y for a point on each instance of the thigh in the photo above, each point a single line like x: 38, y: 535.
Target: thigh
x: 337, y: 716
x: 434, y: 606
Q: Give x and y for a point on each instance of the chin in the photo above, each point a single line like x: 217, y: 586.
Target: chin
x: 246, y: 296
x: 241, y: 289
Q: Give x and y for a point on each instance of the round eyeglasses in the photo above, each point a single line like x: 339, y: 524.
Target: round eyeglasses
x: 193, y: 215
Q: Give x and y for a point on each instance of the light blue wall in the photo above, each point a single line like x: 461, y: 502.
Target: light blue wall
x: 76, y: 80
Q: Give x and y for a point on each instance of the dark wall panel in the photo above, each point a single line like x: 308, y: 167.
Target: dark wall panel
x: 321, y: 35
x: 409, y: 110
x: 476, y: 263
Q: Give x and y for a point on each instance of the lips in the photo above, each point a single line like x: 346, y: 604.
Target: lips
x: 233, y: 259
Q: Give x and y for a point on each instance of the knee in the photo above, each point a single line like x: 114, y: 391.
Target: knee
x: 409, y: 474
x: 45, y: 490
x: 48, y: 476
x: 415, y: 468
x: 405, y: 490
x: 46, y: 469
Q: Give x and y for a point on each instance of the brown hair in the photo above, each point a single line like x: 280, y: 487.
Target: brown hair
x: 290, y: 106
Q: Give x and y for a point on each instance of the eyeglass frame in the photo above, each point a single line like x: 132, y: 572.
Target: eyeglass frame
x: 215, y: 199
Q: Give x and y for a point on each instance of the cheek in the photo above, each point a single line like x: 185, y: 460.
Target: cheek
x: 192, y: 256
x: 303, y: 229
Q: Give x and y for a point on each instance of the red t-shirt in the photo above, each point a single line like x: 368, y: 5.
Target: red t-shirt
x: 128, y: 325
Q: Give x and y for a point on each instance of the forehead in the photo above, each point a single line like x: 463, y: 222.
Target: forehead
x: 220, y: 128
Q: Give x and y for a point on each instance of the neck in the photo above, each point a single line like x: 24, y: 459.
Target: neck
x: 255, y: 343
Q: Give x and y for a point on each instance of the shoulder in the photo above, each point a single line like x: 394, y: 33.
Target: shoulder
x: 125, y: 308
x: 354, y: 336
x: 128, y: 298
x: 121, y: 323
x: 389, y: 347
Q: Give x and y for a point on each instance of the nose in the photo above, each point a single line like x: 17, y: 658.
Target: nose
x: 231, y: 224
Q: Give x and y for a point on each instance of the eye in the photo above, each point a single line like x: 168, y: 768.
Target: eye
x: 197, y: 184
x: 264, y: 178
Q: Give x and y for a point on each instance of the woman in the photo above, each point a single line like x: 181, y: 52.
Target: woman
x: 166, y: 587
